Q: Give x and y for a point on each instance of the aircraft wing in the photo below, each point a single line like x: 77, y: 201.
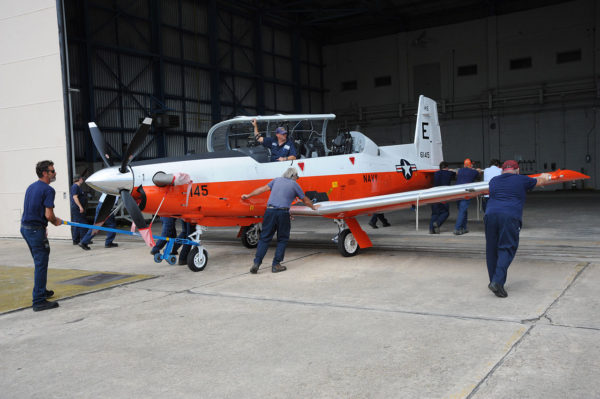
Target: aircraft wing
x: 397, y: 201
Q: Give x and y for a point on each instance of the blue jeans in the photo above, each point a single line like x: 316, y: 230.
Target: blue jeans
x: 186, y: 230
x: 77, y: 233
x: 379, y: 216
x: 461, y: 219
x: 109, y: 222
x: 439, y: 214
x: 274, y: 220
x: 168, y: 230
x: 501, y: 243
x: 40, y: 251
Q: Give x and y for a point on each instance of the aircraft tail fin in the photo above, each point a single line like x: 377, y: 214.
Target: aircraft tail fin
x: 428, y: 137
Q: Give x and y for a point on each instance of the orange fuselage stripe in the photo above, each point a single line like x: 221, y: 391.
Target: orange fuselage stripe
x: 220, y: 204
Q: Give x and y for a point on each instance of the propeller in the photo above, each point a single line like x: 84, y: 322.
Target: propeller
x: 133, y: 209
x: 130, y: 204
x: 99, y: 143
x: 106, y: 208
x: 136, y: 142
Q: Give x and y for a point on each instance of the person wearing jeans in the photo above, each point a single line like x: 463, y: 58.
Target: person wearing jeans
x: 38, y: 210
x: 284, y: 191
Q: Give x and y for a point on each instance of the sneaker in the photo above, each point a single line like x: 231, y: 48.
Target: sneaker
x: 278, y: 268
x: 49, y: 293
x: 373, y: 225
x: 44, y: 305
x: 84, y: 246
x: 386, y: 224
x: 254, y: 268
x: 436, y: 228
x: 111, y: 245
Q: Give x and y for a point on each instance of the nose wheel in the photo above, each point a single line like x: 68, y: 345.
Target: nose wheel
x: 197, y: 258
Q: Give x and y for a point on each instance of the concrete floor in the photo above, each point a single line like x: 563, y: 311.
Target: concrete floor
x: 409, y: 318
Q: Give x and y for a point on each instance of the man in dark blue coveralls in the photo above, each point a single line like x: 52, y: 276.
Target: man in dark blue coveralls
x: 441, y: 210
x: 38, y: 210
x: 78, y: 203
x: 503, y: 221
x: 466, y: 174
x: 281, y: 148
x: 284, y: 191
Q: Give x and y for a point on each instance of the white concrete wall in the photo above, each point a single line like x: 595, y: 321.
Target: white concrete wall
x: 32, y: 119
x: 557, y: 133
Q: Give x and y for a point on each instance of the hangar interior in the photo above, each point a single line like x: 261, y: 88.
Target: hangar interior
x: 512, y: 79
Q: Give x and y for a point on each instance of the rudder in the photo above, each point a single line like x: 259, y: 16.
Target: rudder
x: 428, y: 137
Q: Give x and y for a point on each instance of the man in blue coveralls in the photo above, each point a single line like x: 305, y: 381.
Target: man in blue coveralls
x: 281, y: 148
x: 284, y: 191
x: 441, y: 210
x: 503, y: 221
x: 466, y: 174
x: 38, y: 210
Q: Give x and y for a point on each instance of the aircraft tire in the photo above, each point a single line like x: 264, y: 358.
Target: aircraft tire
x: 250, y: 236
x: 347, y: 244
x: 195, y: 261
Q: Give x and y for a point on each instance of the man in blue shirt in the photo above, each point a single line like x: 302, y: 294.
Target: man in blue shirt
x: 38, y: 210
x: 466, y: 174
x: 281, y: 148
x: 441, y: 210
x: 284, y: 191
x: 503, y: 221
x: 78, y: 202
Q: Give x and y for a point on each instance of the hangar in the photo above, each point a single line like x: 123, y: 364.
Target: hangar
x: 513, y: 79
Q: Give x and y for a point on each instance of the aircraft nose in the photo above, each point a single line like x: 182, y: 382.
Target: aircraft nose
x: 111, y: 181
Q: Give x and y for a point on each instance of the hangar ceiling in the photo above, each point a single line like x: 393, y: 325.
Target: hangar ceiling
x: 336, y: 21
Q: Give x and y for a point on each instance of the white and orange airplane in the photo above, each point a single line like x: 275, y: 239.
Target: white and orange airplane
x: 352, y: 177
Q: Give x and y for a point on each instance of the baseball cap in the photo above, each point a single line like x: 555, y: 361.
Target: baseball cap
x: 468, y: 162
x: 510, y: 164
x: 280, y: 130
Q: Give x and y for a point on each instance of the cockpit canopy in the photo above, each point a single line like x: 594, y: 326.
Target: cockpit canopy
x: 308, y: 131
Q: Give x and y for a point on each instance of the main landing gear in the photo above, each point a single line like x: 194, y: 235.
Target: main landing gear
x: 345, y: 240
x: 251, y: 235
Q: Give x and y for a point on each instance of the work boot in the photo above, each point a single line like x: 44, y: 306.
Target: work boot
x: 278, y: 268
x: 44, y: 305
x: 49, y: 293
x: 373, y: 225
x: 84, y: 246
x: 254, y: 268
x: 111, y: 245
x: 386, y: 224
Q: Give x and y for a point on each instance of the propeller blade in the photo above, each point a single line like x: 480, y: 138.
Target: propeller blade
x: 99, y: 143
x: 132, y: 208
x: 106, y: 207
x: 136, y: 142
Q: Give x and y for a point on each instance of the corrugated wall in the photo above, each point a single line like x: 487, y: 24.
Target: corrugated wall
x: 193, y: 59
